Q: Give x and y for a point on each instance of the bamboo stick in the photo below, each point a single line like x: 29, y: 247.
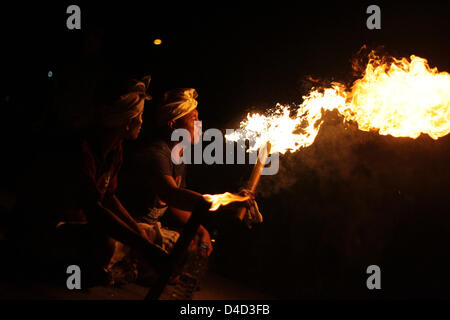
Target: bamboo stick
x: 263, y: 154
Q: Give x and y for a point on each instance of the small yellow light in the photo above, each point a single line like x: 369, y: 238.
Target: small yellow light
x: 157, y: 42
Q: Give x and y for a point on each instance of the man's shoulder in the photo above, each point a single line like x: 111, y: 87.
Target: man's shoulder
x: 156, y: 148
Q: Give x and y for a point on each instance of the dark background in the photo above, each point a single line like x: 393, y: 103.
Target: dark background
x: 351, y: 200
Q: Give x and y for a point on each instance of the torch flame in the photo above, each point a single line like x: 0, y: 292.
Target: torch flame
x: 223, y: 199
x: 403, y: 99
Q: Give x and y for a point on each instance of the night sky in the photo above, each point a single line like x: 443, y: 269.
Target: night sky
x: 351, y: 200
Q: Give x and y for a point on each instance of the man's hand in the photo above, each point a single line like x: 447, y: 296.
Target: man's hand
x: 252, y: 215
x: 204, y: 245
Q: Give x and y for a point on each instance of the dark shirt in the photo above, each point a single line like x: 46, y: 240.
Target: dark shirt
x: 66, y: 178
x: 142, y: 170
x: 63, y: 182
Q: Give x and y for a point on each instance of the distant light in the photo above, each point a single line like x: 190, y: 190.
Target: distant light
x: 50, y: 74
x: 157, y: 42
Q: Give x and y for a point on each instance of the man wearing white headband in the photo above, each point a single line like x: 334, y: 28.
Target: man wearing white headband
x: 152, y: 184
x: 176, y: 104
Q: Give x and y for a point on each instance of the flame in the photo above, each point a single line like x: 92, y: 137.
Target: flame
x: 407, y: 99
x: 223, y: 199
x: 402, y: 98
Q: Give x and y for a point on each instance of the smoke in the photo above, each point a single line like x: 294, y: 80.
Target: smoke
x: 330, y: 157
x: 357, y: 198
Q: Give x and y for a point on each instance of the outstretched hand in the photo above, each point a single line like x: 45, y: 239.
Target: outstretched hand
x: 252, y: 215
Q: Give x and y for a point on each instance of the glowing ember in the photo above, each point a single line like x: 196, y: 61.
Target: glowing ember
x: 402, y: 99
x: 223, y: 199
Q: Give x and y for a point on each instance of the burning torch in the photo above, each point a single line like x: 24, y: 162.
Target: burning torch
x: 252, y: 183
x: 250, y: 215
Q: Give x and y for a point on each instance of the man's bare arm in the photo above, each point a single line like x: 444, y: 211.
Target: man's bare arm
x: 180, y: 198
x: 112, y: 225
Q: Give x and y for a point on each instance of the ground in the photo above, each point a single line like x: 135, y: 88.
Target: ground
x: 212, y: 287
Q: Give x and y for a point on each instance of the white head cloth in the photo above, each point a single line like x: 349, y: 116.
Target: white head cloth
x: 176, y: 104
x: 128, y: 105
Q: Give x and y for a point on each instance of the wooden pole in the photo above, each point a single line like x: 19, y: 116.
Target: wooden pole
x: 178, y: 251
x: 252, y: 183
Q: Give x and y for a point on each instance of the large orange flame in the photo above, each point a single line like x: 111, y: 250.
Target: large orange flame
x: 403, y: 98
